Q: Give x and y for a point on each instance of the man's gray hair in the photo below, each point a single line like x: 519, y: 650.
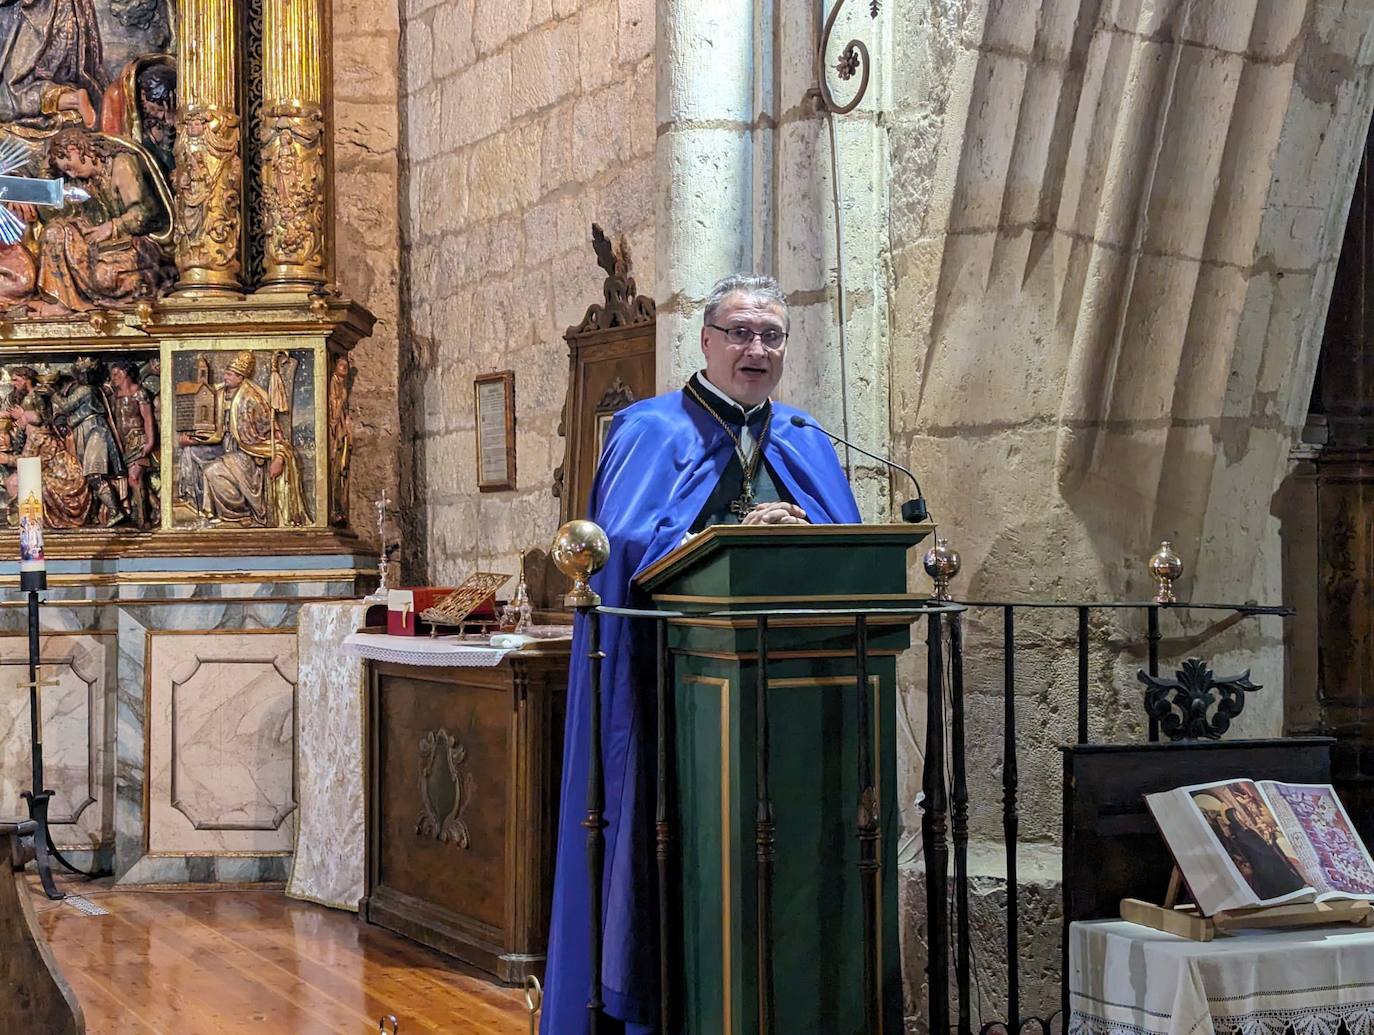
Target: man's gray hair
x: 751, y: 285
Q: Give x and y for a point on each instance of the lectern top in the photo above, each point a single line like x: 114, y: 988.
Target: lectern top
x: 718, y: 539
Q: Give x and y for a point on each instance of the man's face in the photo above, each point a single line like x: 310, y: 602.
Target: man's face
x: 747, y: 373
x: 22, y: 385
x: 232, y: 379
x: 155, y: 110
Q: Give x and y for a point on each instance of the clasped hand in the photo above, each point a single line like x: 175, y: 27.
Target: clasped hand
x: 776, y: 513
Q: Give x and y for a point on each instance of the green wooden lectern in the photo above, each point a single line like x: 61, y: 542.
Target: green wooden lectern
x: 777, y: 877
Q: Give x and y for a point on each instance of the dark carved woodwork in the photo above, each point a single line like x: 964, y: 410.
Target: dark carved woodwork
x: 617, y: 396
x: 621, y: 305
x: 1183, y: 705
x: 610, y: 366
x: 1331, y: 684
x: 34, y: 997
x: 476, y: 755
x: 547, y: 586
x: 446, y: 789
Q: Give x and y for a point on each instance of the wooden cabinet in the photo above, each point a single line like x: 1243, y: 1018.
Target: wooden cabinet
x: 464, y: 766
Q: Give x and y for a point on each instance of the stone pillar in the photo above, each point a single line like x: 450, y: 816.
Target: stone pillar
x: 209, y: 176
x: 704, y: 171
x: 294, y: 154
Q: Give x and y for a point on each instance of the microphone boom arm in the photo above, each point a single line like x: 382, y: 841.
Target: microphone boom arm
x: 912, y: 510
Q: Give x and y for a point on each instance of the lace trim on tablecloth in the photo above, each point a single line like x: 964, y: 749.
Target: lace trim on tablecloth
x: 1080, y: 1024
x: 439, y: 655
x: 1358, y: 1019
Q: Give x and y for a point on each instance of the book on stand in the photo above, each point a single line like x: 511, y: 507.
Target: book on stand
x: 1242, y: 844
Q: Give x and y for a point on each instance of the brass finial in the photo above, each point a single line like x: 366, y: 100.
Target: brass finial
x: 941, y: 564
x: 103, y: 321
x: 580, y: 549
x: 1167, y: 568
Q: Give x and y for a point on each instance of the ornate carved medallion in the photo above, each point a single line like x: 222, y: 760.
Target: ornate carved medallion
x: 446, y: 789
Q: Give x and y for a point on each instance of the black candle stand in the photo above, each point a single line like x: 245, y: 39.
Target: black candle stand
x: 32, y: 582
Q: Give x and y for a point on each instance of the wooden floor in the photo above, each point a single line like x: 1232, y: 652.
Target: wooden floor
x: 212, y: 962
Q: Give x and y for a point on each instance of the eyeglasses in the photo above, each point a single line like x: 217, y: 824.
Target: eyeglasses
x: 771, y: 339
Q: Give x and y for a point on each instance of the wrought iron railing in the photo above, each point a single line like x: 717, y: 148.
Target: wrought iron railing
x: 1015, y: 1021
x: 944, y: 804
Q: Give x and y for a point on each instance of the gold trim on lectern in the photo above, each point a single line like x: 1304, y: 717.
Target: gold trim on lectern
x: 727, y: 886
x: 876, y: 683
x: 913, y: 599
x: 782, y: 532
x: 793, y: 622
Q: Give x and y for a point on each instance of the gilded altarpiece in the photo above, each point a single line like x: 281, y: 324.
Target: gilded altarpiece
x: 173, y: 348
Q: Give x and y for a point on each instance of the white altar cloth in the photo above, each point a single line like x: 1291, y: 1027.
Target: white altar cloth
x: 423, y: 650
x: 1130, y: 980
x: 330, y: 848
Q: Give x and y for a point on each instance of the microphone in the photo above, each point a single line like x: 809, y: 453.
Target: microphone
x: 912, y: 510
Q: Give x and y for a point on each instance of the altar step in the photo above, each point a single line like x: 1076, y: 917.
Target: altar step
x: 214, y: 962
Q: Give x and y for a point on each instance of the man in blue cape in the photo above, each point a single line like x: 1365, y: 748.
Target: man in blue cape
x: 718, y: 451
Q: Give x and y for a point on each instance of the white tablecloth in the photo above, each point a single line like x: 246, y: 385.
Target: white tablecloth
x: 1129, y: 980
x: 422, y: 650
x: 330, y: 849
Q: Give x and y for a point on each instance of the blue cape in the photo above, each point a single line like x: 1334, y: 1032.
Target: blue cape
x: 663, y: 458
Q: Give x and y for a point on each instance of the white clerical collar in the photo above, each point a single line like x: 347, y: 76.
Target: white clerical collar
x: 705, y: 382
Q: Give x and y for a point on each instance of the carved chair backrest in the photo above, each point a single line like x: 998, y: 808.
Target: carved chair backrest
x: 610, y: 366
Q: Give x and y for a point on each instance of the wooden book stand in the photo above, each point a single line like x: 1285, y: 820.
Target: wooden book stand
x: 1186, y: 922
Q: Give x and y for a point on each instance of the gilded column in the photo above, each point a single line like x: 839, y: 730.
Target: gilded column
x: 294, y: 156
x: 209, y: 168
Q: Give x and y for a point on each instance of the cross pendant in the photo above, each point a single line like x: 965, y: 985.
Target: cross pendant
x: 745, y: 503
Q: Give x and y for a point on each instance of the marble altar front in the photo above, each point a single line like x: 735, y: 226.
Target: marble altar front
x: 170, y: 735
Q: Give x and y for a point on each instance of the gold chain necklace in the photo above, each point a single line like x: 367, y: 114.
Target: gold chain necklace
x: 745, y: 503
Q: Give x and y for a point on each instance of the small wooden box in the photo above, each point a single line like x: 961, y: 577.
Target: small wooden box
x: 403, y: 607
x: 464, y: 766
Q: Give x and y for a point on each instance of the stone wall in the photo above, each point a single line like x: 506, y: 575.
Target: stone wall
x: 1114, y: 228
x: 367, y: 240
x: 746, y: 178
x: 523, y: 121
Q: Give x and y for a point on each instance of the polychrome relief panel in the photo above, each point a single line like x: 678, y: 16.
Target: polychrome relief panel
x: 245, y: 446
x: 93, y: 420
x: 221, y: 741
x: 77, y: 716
x: 88, y: 93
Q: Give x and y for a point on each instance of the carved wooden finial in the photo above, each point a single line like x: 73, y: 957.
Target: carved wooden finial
x: 623, y: 306
x: 605, y: 251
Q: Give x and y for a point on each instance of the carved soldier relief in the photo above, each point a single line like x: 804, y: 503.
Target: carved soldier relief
x: 94, y: 423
